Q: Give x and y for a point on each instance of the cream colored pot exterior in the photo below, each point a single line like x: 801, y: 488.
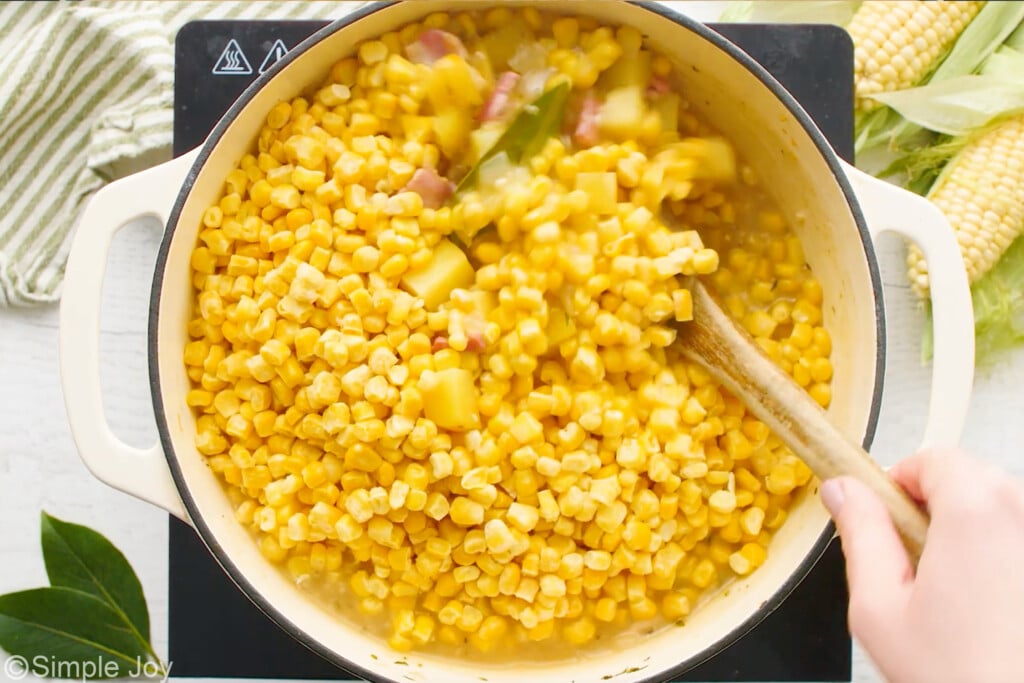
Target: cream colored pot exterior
x: 737, y: 97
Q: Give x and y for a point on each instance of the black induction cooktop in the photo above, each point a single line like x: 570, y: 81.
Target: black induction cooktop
x: 215, y: 631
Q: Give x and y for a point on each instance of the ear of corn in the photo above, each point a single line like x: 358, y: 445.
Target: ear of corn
x: 898, y: 44
x: 980, y: 193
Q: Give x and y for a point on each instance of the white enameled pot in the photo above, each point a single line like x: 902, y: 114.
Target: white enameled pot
x: 842, y: 211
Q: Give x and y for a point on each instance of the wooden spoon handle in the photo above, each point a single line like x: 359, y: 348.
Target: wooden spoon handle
x: 715, y: 342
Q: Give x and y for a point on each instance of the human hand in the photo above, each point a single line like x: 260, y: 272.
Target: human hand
x: 960, y: 617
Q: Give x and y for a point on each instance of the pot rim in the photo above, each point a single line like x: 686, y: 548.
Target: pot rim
x: 203, y: 529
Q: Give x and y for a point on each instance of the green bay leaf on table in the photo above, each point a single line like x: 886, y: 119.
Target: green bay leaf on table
x: 78, y: 557
x: 62, y: 627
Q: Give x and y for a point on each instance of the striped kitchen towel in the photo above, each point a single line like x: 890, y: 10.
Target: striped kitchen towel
x: 85, y: 97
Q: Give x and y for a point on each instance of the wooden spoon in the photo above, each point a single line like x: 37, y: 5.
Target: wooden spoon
x: 725, y: 350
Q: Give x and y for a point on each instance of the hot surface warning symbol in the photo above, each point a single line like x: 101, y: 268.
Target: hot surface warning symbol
x: 277, y: 51
x: 232, y: 61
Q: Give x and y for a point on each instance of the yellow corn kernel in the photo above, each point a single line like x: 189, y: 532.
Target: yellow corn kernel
x: 285, y: 197
x: 541, y: 630
x: 580, y: 632
x: 552, y: 585
x: 466, y: 512
x: 723, y: 501
x: 271, y: 550
x: 526, y: 428
x: 703, y: 574
x: 747, y: 559
x: 751, y: 520
x: 675, y: 605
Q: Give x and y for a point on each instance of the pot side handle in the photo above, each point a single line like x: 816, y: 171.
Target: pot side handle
x: 890, y: 208
x: 142, y: 473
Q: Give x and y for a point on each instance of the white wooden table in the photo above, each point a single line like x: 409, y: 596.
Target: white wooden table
x: 40, y: 468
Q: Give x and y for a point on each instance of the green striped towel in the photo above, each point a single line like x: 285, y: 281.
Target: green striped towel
x: 73, y: 118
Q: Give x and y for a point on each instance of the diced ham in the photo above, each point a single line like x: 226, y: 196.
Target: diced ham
x: 434, y: 189
x: 585, y: 133
x: 659, y: 86
x: 432, y: 45
x: 474, y: 324
x: 474, y: 342
x: 497, y: 103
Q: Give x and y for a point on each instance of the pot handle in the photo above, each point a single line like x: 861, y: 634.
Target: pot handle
x: 142, y: 473
x: 890, y: 208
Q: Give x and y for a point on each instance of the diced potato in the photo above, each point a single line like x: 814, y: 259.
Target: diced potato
x: 449, y: 268
x: 449, y: 399
x: 452, y: 126
x: 479, y: 61
x: 602, y: 191
x: 717, y: 158
x: 418, y: 128
x: 457, y: 80
x: 622, y: 112
x: 494, y: 169
x: 667, y: 107
x: 501, y: 43
x: 483, y: 138
x: 628, y: 70
x: 560, y: 327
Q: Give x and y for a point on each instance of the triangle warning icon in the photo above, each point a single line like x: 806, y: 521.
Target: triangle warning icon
x: 278, y: 50
x: 232, y: 61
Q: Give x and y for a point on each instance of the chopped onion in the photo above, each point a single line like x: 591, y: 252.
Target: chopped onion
x: 529, y: 56
x: 531, y: 85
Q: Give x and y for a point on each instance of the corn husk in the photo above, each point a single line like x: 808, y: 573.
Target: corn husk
x: 960, y: 110
x: 999, y: 306
x: 889, y: 128
x: 998, y: 300
x: 791, y: 11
